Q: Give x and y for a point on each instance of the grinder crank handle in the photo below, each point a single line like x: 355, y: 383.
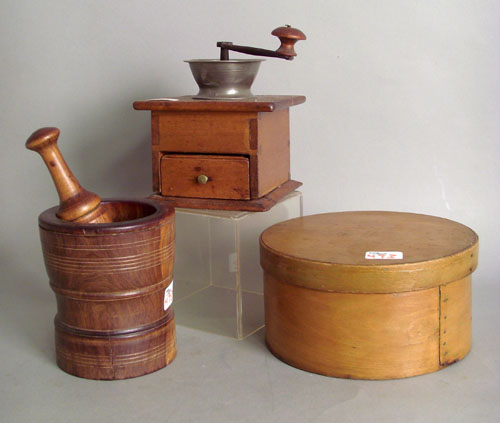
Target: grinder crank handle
x: 76, y: 203
x: 287, y: 35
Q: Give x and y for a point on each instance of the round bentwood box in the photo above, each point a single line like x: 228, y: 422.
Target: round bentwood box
x: 368, y: 295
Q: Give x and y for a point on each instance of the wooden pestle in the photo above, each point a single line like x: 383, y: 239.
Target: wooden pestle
x: 76, y: 203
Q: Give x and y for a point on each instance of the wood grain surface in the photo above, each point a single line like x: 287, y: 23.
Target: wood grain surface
x: 228, y: 176
x: 327, y: 251
x: 110, y: 281
x: 273, y: 164
x: 332, y: 311
x: 256, y: 130
x: 205, y: 132
x: 455, y: 321
x: 254, y: 205
x: 359, y: 336
x: 75, y: 202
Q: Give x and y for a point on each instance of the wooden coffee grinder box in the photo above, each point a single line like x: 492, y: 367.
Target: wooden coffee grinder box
x: 224, y: 148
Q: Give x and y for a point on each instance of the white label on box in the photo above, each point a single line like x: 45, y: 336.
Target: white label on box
x: 384, y: 255
x: 169, y: 295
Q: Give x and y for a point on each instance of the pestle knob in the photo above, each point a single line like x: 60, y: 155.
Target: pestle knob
x: 76, y: 203
x: 288, y: 37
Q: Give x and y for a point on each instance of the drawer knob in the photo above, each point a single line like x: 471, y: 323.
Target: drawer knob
x: 202, y: 179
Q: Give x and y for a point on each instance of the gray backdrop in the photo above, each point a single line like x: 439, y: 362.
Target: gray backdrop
x: 402, y: 100
x: 401, y: 112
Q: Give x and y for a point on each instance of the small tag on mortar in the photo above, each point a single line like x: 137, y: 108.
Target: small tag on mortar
x: 169, y: 295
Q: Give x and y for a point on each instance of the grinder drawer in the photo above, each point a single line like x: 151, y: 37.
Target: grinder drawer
x: 203, y: 176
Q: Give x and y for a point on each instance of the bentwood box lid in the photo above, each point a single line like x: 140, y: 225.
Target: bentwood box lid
x: 369, y: 251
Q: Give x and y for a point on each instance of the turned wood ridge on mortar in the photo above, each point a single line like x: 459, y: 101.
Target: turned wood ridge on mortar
x: 110, y: 265
x: 111, y: 281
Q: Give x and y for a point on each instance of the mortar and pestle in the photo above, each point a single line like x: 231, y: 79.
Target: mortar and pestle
x: 110, y: 264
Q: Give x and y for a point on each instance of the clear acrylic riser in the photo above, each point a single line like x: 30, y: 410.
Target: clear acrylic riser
x: 218, y: 279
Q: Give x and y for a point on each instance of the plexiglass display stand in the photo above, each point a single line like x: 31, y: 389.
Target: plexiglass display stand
x: 218, y: 279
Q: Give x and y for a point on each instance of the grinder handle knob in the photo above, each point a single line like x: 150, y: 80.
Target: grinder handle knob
x: 76, y: 203
x: 288, y: 37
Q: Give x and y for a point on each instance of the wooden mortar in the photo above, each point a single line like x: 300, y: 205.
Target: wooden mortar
x: 112, y: 281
